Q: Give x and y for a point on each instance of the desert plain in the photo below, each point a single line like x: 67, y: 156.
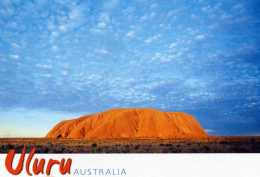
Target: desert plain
x: 208, y: 145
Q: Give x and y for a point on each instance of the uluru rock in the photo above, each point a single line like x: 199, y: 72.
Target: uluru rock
x: 130, y: 123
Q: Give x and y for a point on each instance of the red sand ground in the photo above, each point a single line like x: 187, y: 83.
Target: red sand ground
x: 207, y: 145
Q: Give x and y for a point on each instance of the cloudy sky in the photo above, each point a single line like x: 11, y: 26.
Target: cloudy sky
x: 64, y: 58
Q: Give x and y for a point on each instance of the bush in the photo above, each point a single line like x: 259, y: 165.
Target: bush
x: 94, y: 145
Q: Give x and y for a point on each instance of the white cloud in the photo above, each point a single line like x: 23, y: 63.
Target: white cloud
x: 67, y: 20
x: 118, y: 86
x: 54, y: 47
x: 102, y: 51
x: 172, y: 45
x: 64, y: 72
x: 46, y: 75
x: 130, y: 34
x: 101, y: 24
x: 143, y: 18
x: 44, y: 66
x: 152, y: 39
x: 14, y: 56
x: 110, y: 4
x: 206, y: 8
x: 63, y: 28
x: 152, y: 14
x: 210, y: 131
x: 54, y: 34
x: 74, y: 13
x: 200, y: 37
x: 162, y: 58
x: 8, y: 9
x: 15, y: 45
x: 103, y: 21
x: 153, y: 6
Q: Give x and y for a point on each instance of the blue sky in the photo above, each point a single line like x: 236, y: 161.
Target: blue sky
x: 65, y: 58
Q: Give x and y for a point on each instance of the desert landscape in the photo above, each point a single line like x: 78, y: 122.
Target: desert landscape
x: 209, y: 145
x: 135, y: 130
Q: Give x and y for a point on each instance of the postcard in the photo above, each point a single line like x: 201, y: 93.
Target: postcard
x: 130, y: 88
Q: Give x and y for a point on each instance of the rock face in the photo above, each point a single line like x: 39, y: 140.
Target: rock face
x: 130, y: 123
